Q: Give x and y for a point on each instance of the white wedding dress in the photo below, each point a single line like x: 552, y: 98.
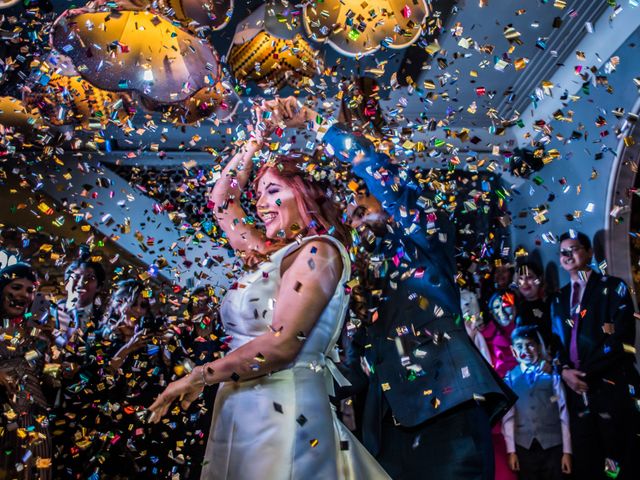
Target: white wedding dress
x: 282, y: 426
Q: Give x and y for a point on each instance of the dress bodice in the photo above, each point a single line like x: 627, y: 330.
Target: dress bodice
x: 247, y: 308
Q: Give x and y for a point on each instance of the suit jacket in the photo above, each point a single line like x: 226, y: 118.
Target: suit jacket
x: 607, y: 324
x: 422, y: 361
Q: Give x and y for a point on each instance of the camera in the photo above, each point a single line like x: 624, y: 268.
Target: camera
x: 151, y: 323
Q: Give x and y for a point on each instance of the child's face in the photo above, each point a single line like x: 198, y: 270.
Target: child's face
x: 526, y: 351
x: 529, y: 286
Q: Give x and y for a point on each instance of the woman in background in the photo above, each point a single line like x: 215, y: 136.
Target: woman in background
x: 25, y: 442
x: 84, y: 280
x: 496, y: 330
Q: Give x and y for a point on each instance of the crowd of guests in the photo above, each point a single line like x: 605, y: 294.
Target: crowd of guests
x: 75, y: 383
x: 76, y: 376
x: 569, y: 357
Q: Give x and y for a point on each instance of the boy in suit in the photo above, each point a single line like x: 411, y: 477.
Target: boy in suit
x: 536, y: 429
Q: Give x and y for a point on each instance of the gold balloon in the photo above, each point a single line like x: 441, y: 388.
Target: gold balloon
x: 357, y: 27
x: 218, y: 100
x: 272, y: 61
x: 138, y: 50
x: 19, y: 125
x: 72, y: 100
x: 213, y: 13
x: 16, y: 115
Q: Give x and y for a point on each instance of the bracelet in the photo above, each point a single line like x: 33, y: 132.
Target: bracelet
x: 204, y: 380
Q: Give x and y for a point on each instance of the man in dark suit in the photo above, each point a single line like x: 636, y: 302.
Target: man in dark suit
x: 432, y: 397
x: 593, y: 319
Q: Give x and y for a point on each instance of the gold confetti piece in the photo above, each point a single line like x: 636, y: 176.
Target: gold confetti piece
x: 43, y: 462
x: 423, y: 303
x: 520, y: 63
x: 44, y: 208
x: 540, y: 218
x: 353, y: 186
x: 432, y: 48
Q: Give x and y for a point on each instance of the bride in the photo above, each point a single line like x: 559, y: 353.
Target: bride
x: 272, y: 418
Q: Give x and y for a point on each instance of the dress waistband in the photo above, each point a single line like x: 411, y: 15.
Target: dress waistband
x: 327, y: 363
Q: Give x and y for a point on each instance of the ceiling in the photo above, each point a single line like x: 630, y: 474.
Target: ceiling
x: 470, y: 82
x: 492, y: 57
x: 496, y: 56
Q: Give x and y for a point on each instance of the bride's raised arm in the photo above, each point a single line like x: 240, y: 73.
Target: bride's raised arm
x: 226, y: 194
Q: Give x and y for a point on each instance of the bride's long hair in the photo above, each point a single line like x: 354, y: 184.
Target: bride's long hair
x: 315, y: 202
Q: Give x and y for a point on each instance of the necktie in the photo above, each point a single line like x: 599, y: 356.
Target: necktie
x: 575, y: 316
x: 530, y: 375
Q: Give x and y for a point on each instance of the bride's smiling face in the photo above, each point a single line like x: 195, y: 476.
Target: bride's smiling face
x: 277, y: 207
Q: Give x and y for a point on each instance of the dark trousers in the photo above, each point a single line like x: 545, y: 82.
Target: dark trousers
x: 537, y: 463
x: 455, y: 445
x: 606, y: 427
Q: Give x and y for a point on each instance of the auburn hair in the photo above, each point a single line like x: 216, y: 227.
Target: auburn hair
x: 321, y: 215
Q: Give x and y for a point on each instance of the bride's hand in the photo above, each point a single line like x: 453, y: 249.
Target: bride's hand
x: 295, y: 115
x: 267, y: 117
x: 186, y: 390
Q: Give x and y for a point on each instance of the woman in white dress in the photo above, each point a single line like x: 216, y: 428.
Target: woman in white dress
x: 272, y: 418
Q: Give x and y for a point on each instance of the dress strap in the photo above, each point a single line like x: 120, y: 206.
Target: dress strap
x: 293, y: 246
